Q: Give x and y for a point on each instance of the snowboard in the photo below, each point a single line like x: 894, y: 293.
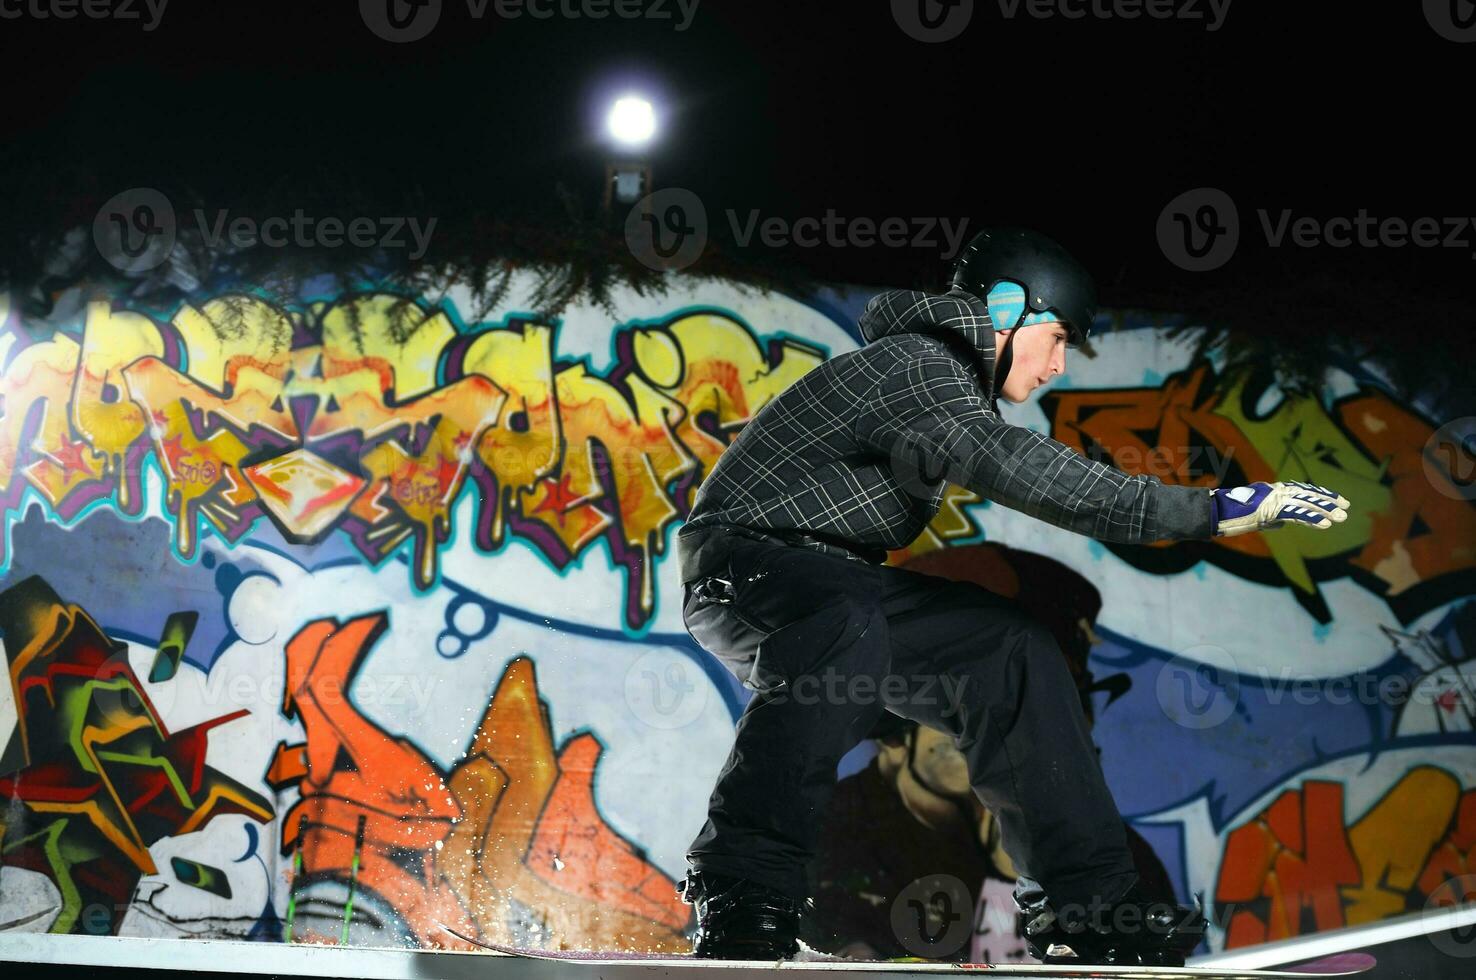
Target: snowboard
x: 1337, y: 965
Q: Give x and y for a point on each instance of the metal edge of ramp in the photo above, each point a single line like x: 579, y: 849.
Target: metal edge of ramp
x: 291, y: 960
x: 367, y: 963
x: 240, y: 956
x: 1269, y: 956
x: 306, y: 960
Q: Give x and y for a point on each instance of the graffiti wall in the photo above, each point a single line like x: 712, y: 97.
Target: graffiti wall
x: 353, y: 618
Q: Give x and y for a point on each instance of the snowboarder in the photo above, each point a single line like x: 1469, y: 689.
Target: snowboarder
x: 782, y: 563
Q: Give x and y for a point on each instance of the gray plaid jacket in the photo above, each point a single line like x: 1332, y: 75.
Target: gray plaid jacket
x: 858, y: 451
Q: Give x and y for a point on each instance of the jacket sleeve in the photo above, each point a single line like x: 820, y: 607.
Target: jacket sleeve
x: 928, y: 420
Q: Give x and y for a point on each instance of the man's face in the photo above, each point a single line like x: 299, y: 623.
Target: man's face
x: 1040, y: 354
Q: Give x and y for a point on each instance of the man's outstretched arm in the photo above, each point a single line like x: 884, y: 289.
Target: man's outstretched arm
x: 930, y: 420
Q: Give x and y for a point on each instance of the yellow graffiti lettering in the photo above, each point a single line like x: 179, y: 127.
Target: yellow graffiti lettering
x: 101, y: 413
x: 520, y: 362
x: 421, y: 487
x: 358, y: 426
x: 389, y: 330
x: 1394, y: 839
x: 202, y: 472
x: 230, y: 332
x: 37, y: 386
x: 718, y: 371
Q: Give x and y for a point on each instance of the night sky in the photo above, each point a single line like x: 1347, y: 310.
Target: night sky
x: 1083, y: 128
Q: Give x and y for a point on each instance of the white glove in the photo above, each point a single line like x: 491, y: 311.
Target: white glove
x: 1259, y: 506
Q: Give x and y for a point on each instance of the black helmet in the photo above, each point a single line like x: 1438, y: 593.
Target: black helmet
x: 1053, y: 280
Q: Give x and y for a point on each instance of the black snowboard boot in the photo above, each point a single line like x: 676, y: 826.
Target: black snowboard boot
x: 739, y: 919
x: 1135, y: 930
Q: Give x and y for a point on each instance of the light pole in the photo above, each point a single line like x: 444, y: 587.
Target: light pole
x: 631, y: 124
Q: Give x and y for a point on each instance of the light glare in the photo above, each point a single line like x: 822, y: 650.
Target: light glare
x: 632, y: 121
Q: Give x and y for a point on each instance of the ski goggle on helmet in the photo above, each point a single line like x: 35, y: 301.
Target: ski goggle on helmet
x: 1024, y: 278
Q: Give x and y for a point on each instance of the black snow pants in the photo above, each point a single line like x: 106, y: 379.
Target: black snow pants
x: 827, y: 643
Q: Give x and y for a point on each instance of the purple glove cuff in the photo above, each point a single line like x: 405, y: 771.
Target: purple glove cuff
x: 1224, y: 506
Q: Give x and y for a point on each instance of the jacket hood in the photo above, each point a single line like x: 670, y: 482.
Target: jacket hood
x: 958, y: 318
